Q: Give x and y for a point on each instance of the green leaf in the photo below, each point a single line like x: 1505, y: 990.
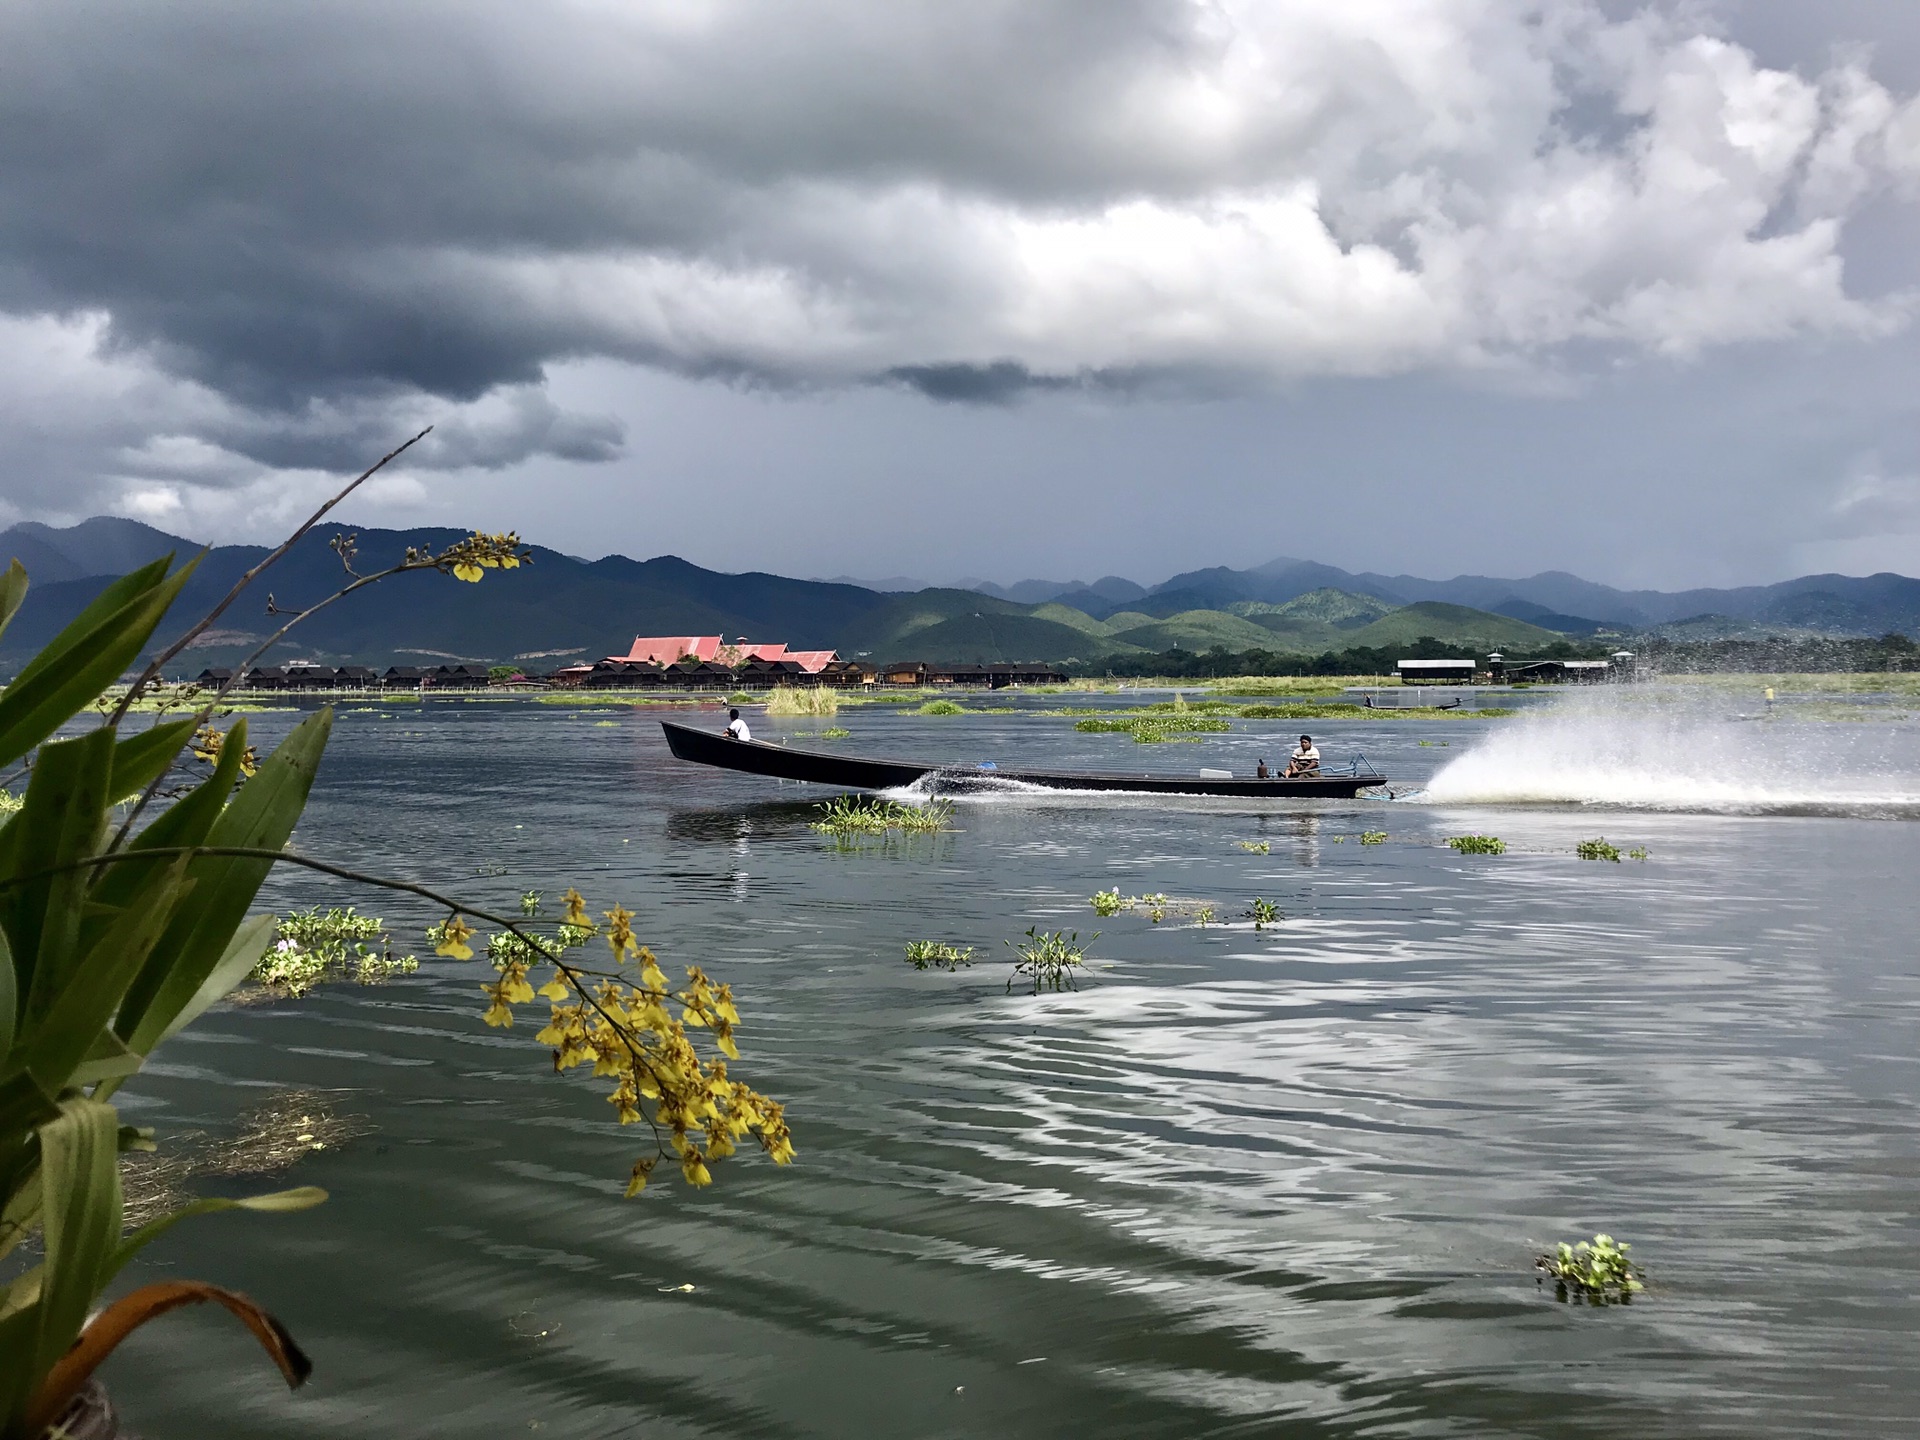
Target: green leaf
x: 106, y: 1059
x: 86, y: 657
x: 141, y: 759
x: 249, y: 944
x: 90, y: 994
x: 62, y: 820
x: 80, y: 1220
x: 280, y: 1202
x: 9, y: 997
x: 261, y: 816
x: 13, y: 589
x: 186, y: 822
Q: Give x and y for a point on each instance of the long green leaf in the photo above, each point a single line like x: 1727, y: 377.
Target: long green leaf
x: 90, y: 993
x: 80, y: 1219
x: 250, y: 942
x: 280, y: 1202
x: 261, y: 816
x: 86, y: 657
x: 62, y: 820
x: 186, y: 822
x: 13, y: 589
x: 141, y: 759
x: 9, y: 1000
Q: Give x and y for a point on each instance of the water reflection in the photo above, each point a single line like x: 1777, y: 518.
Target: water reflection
x: 1241, y: 1183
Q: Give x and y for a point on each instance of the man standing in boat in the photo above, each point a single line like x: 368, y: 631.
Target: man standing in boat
x: 736, y: 727
x: 1304, y: 761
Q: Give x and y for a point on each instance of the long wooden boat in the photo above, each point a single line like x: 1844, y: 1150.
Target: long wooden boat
x: 853, y: 772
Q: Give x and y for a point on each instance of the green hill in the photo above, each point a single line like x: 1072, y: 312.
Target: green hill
x: 1342, y: 609
x: 1452, y: 624
x: 1197, y: 630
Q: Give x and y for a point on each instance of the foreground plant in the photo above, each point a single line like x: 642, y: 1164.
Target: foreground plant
x: 1263, y: 914
x: 1597, y: 1271
x: 1597, y: 850
x: 1373, y: 837
x: 1049, y: 958
x: 933, y: 955
x: 1257, y: 847
x: 1478, y: 844
x: 114, y: 936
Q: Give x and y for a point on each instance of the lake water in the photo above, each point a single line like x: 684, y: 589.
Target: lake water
x: 1242, y: 1183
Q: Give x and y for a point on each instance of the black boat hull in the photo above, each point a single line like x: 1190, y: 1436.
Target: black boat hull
x: 853, y: 772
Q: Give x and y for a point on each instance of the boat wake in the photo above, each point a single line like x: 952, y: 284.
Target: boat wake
x: 1642, y: 750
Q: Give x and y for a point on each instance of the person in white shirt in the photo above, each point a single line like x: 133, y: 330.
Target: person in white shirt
x: 1304, y: 761
x: 736, y: 727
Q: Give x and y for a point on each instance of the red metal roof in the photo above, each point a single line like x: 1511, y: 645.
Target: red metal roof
x: 665, y: 649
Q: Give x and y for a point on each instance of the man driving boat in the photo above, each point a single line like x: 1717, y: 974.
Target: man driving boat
x: 1304, y: 761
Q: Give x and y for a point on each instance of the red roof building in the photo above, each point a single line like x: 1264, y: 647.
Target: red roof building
x: 666, y: 649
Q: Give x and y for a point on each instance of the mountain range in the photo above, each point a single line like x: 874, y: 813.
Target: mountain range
x: 562, y: 608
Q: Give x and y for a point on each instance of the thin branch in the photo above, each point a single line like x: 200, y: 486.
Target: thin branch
x: 194, y: 632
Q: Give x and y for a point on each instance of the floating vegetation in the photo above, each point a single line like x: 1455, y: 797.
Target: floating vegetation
x: 833, y: 732
x: 1639, y: 852
x: 1155, y: 729
x: 10, y: 802
x: 606, y: 724
x: 1597, y: 850
x: 1373, y: 837
x: 940, y: 707
x: 933, y: 955
x: 1264, y: 913
x: 1156, y: 907
x: 1257, y: 847
x: 857, y: 815
x: 314, y: 945
x: 1598, y: 1272
x: 273, y: 1137
x: 1050, y: 958
x: 802, y: 700
x: 530, y: 903
x: 1436, y: 744
x: 1478, y: 844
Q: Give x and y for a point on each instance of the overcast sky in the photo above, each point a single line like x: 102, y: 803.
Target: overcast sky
x: 1002, y: 288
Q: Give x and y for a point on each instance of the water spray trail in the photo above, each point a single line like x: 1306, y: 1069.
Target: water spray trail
x: 1666, y: 749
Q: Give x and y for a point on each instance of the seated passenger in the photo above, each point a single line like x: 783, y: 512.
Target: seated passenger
x: 736, y: 727
x: 1304, y: 761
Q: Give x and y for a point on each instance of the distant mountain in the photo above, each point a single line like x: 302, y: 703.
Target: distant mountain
x: 562, y: 608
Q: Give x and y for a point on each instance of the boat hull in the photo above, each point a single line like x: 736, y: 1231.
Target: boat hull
x: 853, y: 772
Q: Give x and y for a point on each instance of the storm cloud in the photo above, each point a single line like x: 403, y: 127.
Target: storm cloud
x: 282, y: 234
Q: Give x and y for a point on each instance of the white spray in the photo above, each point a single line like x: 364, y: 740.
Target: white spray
x: 1685, y: 749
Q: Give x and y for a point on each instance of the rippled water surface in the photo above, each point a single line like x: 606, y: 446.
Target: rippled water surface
x: 1242, y: 1183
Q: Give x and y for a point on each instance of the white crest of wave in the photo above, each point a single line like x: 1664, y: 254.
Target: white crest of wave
x: 1663, y: 750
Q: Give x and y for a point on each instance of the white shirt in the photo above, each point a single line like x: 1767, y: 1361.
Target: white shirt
x: 1308, y: 756
x: 737, y: 728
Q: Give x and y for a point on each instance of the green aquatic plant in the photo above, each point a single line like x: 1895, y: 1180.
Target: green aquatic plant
x: 530, y: 903
x: 933, y: 955
x: 1264, y: 913
x: 1598, y: 1272
x: 310, y: 946
x: 10, y: 803
x: 1107, y: 902
x: 1203, y: 914
x: 833, y: 732
x: 802, y: 700
x: 1639, y: 852
x: 1257, y: 847
x: 606, y: 724
x: 1373, y: 837
x: 1051, y: 958
x: 858, y: 815
x: 1478, y: 844
x: 1436, y: 744
x: 941, y: 707
x: 1597, y: 850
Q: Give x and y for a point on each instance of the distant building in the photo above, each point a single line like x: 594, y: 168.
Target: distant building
x: 1437, y: 672
x: 714, y: 650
